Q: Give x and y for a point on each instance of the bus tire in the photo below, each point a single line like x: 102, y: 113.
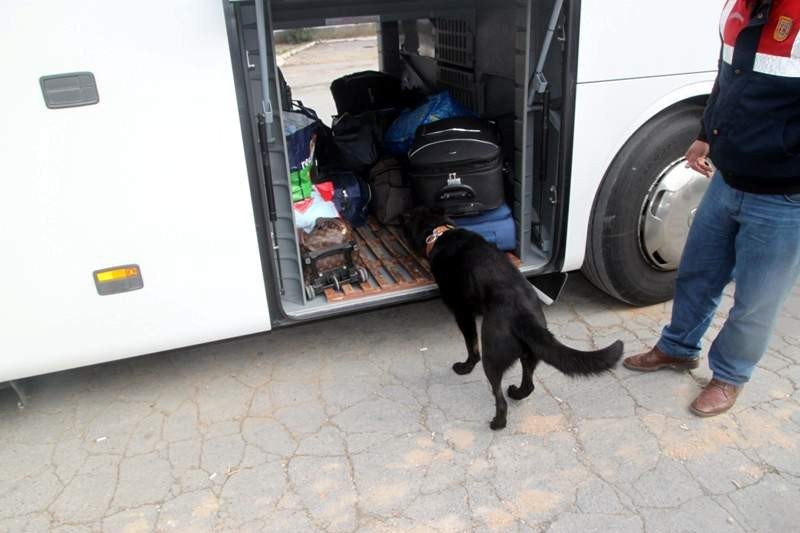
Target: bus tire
x: 616, y: 258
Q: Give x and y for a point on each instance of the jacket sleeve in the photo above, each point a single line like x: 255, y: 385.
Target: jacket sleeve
x: 701, y: 136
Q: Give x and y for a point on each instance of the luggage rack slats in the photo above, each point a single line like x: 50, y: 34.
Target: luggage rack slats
x: 385, y: 256
x: 390, y: 263
x: 420, y: 266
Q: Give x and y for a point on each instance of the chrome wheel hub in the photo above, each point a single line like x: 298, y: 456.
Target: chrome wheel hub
x: 667, y: 213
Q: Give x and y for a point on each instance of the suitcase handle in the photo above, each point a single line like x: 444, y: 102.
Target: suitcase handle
x: 455, y: 191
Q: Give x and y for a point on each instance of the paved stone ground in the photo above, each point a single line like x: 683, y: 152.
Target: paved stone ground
x: 359, y: 423
x: 311, y: 72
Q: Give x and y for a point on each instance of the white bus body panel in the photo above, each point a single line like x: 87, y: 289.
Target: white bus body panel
x: 154, y: 174
x: 635, y: 59
x: 621, y: 39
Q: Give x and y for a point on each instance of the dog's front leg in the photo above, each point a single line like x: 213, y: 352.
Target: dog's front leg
x: 466, y: 323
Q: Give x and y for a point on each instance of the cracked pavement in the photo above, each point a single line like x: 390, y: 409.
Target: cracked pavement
x: 359, y: 423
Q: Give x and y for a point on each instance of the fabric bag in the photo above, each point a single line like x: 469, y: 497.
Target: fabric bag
x: 325, y: 151
x: 301, y: 133
x: 356, y: 139
x: 328, y: 233
x: 391, y: 194
x: 330, y: 256
x: 351, y: 196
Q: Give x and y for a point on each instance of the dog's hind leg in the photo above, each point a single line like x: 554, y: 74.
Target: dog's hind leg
x: 525, y: 388
x: 495, y: 376
x: 466, y: 323
x: 500, y: 350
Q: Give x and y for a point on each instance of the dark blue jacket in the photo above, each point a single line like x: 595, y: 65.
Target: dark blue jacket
x: 752, y: 119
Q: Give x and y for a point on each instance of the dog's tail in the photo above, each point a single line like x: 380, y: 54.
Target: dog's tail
x: 568, y: 360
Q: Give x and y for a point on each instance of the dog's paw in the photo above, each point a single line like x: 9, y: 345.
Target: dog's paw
x: 516, y: 393
x: 497, y: 423
x: 463, y: 368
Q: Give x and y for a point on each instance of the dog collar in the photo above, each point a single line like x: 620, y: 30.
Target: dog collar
x: 437, y: 232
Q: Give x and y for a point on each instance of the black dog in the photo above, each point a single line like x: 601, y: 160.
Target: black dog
x: 477, y: 279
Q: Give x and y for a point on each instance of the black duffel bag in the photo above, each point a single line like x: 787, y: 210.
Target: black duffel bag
x: 366, y: 91
x: 356, y: 139
x: 457, y: 164
x: 391, y: 194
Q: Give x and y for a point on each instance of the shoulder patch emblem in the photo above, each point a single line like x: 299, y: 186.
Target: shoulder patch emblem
x: 783, y: 29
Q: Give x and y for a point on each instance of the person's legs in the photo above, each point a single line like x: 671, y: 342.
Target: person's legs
x: 706, y: 267
x: 767, y: 266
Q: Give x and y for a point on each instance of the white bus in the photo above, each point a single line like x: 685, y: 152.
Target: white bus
x: 141, y: 212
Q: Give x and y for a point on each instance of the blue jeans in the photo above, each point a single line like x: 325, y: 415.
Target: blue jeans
x: 752, y: 240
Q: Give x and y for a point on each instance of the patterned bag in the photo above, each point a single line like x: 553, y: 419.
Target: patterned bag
x: 330, y: 256
x: 301, y: 133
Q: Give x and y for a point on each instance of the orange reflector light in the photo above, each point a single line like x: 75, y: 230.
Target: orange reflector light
x: 116, y: 274
x: 121, y: 278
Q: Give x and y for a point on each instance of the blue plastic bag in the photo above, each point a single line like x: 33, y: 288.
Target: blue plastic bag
x: 400, y: 134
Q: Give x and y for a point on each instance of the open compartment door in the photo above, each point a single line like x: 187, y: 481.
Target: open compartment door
x: 126, y: 219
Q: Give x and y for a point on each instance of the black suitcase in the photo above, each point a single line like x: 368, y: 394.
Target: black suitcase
x: 457, y: 164
x: 366, y: 91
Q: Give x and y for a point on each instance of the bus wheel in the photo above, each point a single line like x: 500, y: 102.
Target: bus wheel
x: 643, y: 210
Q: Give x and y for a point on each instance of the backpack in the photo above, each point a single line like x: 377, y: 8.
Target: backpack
x: 351, y: 196
x: 391, y: 194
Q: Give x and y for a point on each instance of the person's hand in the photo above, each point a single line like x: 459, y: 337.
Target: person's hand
x: 697, y: 158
